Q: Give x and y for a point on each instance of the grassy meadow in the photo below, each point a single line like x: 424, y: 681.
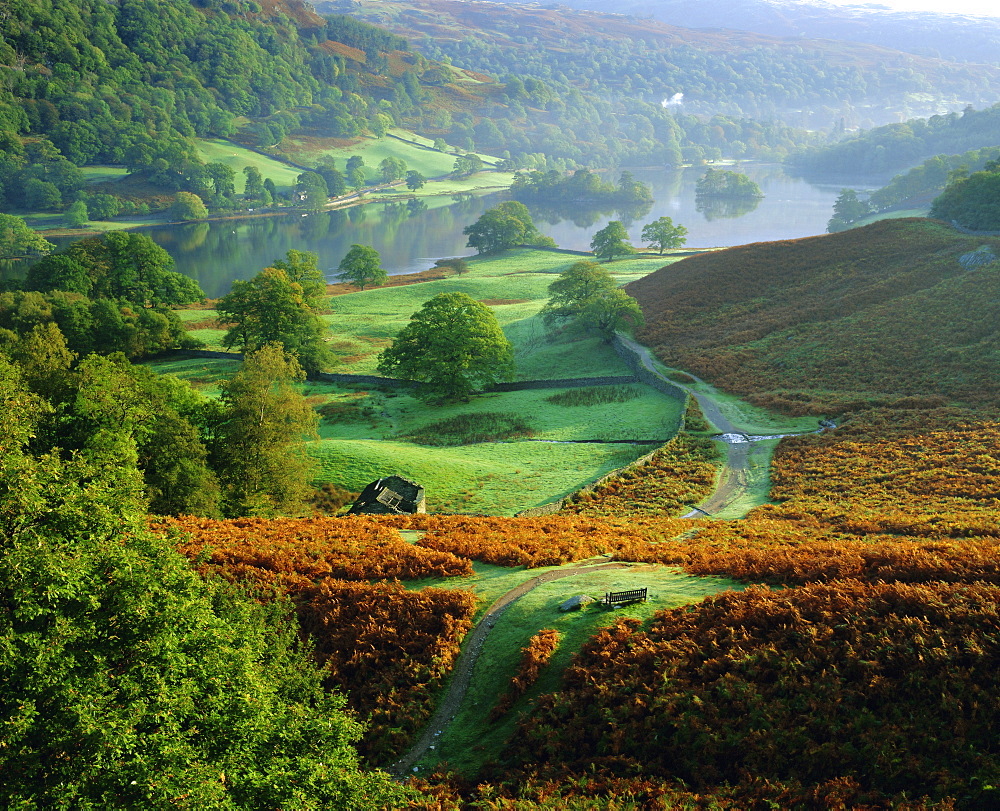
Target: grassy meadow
x: 365, y: 434
x: 418, y: 152
x: 214, y: 150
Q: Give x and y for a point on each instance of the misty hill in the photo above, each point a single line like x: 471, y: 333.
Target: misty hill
x: 824, y: 323
x: 818, y: 83
x: 954, y: 37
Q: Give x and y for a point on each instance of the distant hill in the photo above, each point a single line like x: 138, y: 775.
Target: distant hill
x: 759, y: 74
x: 831, y: 322
x: 955, y: 37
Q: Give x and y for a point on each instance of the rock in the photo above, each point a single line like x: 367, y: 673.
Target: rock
x: 575, y: 603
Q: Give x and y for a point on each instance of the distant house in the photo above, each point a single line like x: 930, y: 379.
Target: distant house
x: 392, y: 495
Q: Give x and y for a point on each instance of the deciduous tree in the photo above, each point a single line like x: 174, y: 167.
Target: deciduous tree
x: 257, y: 446
x: 453, y: 345
x: 361, y: 266
x: 663, y: 234
x: 611, y: 241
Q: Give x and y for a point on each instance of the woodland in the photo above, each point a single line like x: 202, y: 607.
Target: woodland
x: 186, y: 623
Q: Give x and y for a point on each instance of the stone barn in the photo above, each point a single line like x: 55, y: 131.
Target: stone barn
x: 392, y: 495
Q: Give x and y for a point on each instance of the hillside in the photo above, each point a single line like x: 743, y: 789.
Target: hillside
x: 957, y: 37
x: 817, y: 82
x: 813, y: 325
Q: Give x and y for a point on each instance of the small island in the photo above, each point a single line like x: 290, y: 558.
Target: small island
x: 727, y: 184
x: 583, y: 186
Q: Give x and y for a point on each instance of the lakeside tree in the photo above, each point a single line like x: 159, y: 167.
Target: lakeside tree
x: 848, y: 209
x: 503, y: 227
x: 311, y: 190
x: 77, y: 215
x: 391, y: 169
x: 121, y: 265
x: 18, y: 240
x: 663, y: 234
x: 362, y: 266
x: 415, y: 180
x: 466, y: 165
x: 726, y: 183
x: 187, y: 206
x: 302, y: 268
x: 253, y: 184
x: 453, y: 345
x: 611, y: 241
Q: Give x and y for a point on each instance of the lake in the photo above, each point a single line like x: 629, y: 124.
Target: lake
x: 410, y: 237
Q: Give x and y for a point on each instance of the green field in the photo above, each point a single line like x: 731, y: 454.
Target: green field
x: 420, y: 155
x: 363, y: 434
x: 363, y: 323
x: 471, y: 739
x: 213, y: 150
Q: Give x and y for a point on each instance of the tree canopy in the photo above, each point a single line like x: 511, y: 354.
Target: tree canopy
x: 17, y: 239
x: 586, y: 298
x: 611, y: 241
x: 256, y: 446
x: 973, y: 201
x: 663, y: 234
x: 725, y: 183
x: 503, y: 227
x: 453, y: 345
x: 129, y: 681
x: 362, y: 266
x: 269, y: 308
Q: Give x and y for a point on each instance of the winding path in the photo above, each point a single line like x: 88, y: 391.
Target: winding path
x: 462, y: 675
x: 734, y: 482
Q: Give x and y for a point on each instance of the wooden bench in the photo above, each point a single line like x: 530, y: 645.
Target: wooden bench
x: 621, y: 597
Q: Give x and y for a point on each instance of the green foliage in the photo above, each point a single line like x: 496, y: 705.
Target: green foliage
x: 895, y: 147
x: 76, y: 215
x: 611, y: 241
x: 100, y: 325
x: 569, y: 294
x: 468, y: 429
x: 503, y: 227
x: 187, y: 206
x: 848, y: 209
x: 362, y: 266
x: 663, y: 234
x: 311, y: 191
x: 725, y: 183
x: 582, y: 186
x: 17, y: 240
x: 391, y: 169
x: 452, y: 345
x: 415, y: 180
x: 270, y: 308
x: 130, y: 682
x: 121, y: 265
x: 302, y: 268
x: 973, y: 202
x: 256, y: 443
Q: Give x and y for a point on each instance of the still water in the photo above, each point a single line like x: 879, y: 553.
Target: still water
x: 409, y: 237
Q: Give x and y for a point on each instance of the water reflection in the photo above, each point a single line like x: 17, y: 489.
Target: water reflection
x: 714, y: 208
x: 410, y: 235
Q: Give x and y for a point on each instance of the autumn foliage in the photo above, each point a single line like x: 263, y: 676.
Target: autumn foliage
x: 680, y: 474
x: 388, y: 650
x: 893, y: 685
